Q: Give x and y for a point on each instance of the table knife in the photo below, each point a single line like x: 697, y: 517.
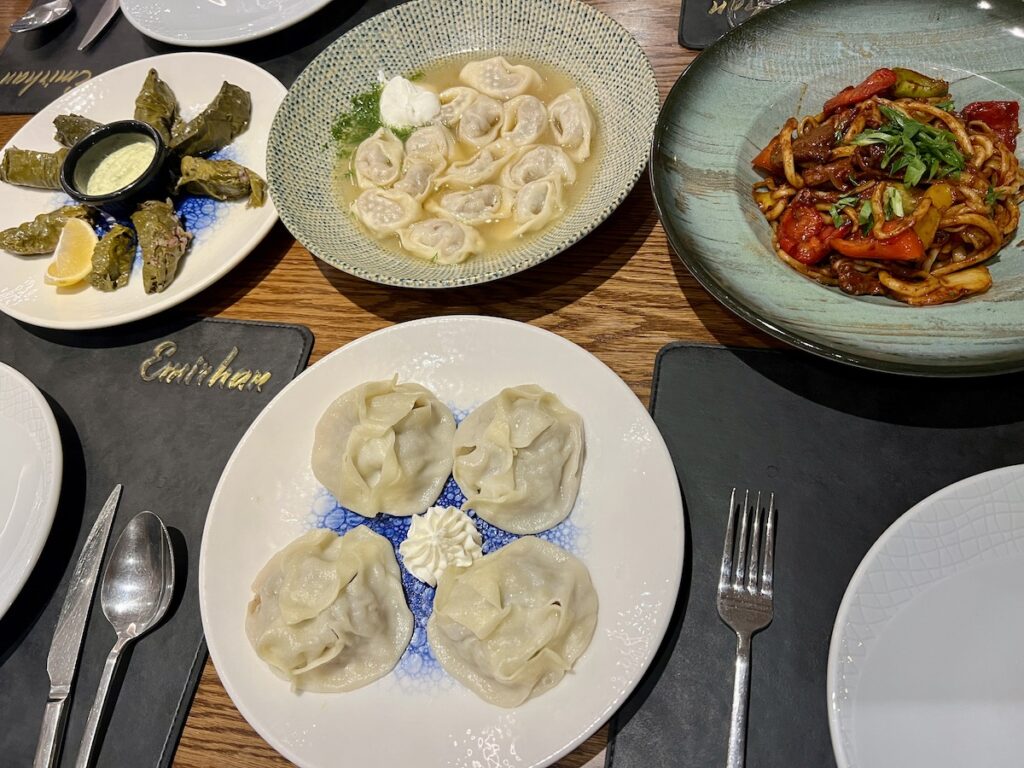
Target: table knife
x: 67, y: 637
x: 107, y: 12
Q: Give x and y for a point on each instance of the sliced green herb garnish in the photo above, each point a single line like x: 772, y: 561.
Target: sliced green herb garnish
x: 893, y: 203
x: 836, y: 209
x: 992, y: 197
x: 361, y: 120
x: 865, y: 218
x: 920, y: 151
x: 946, y: 105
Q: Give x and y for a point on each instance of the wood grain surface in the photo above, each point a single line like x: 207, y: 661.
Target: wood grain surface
x: 620, y: 293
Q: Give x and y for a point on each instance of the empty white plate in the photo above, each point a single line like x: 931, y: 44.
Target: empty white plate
x: 925, y: 666
x: 203, y: 23
x: 30, y: 474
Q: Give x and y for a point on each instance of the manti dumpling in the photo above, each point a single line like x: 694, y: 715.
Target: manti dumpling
x: 572, y: 124
x: 533, y: 163
x: 442, y: 241
x: 537, y: 204
x: 378, y: 159
x: 329, y: 613
x: 519, y: 458
x: 513, y: 623
x: 385, y: 447
x: 385, y: 211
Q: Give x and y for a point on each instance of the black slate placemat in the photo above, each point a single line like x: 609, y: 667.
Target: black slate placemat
x: 37, y: 67
x: 167, y: 442
x: 846, y: 452
x: 701, y: 22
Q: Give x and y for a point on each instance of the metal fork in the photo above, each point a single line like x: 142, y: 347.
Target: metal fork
x: 745, y: 601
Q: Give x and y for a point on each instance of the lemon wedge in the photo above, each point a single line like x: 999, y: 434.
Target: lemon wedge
x: 72, y: 259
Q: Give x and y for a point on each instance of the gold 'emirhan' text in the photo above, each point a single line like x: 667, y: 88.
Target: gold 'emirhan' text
x: 201, y: 371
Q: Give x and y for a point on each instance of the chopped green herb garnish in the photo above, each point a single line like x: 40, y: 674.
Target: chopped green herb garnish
x: 865, y: 218
x: 836, y: 209
x: 893, y: 203
x: 402, y: 133
x: 919, y: 150
x: 361, y: 120
x: 417, y: 75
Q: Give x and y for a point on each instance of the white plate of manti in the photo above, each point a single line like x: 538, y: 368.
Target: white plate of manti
x: 502, y: 463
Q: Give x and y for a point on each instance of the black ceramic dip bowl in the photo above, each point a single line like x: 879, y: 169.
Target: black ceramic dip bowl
x: 116, y: 167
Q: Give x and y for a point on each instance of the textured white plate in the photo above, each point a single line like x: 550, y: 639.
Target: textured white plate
x: 202, y: 23
x: 627, y: 523
x: 925, y: 666
x: 225, y: 234
x: 30, y: 474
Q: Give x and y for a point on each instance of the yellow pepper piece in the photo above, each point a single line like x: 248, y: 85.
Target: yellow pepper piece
x: 927, y: 226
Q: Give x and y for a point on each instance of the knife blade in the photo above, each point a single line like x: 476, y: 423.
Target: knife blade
x: 107, y: 12
x: 67, y: 637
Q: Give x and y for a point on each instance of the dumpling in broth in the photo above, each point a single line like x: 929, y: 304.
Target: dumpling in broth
x: 329, y: 613
x: 484, y: 204
x: 384, y: 447
x: 537, y: 203
x: 378, y: 159
x: 385, y: 211
x: 572, y: 124
x: 454, y: 102
x: 532, y: 163
x: 499, y: 79
x: 483, y: 167
x: 480, y: 121
x: 417, y: 179
x: 431, y: 143
x: 519, y: 458
x: 441, y: 240
x: 511, y: 625
x: 524, y: 120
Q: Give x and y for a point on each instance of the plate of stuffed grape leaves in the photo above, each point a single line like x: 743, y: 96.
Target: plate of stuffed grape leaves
x: 136, y: 190
x: 434, y: 539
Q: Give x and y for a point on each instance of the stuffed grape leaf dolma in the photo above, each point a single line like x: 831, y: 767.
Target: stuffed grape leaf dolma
x: 221, y: 180
x: 157, y: 105
x: 29, y: 168
x: 163, y: 241
x: 223, y: 120
x: 72, y: 128
x: 112, y: 259
x: 42, y: 233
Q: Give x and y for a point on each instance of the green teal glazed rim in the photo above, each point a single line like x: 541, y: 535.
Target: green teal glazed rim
x: 705, y: 68
x: 577, y: 47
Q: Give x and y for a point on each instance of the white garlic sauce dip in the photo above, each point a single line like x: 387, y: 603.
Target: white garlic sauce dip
x: 118, y: 162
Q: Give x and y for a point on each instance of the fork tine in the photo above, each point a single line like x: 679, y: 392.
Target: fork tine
x: 755, y: 534
x: 767, y: 570
x: 730, y: 527
x: 741, y: 544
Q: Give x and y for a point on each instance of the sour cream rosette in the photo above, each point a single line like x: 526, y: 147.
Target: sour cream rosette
x: 403, y: 104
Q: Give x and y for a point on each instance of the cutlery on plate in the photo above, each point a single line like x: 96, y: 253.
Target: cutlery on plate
x: 137, y: 587
x: 67, y: 637
x: 745, y: 600
x: 107, y: 12
x: 41, y: 15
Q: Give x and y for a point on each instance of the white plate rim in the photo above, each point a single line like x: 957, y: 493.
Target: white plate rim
x: 160, y: 303
x: 44, y: 513
x: 834, y: 726
x: 657, y: 635
x: 189, y: 40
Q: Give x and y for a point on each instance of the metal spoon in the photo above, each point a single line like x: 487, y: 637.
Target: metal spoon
x: 41, y: 15
x: 136, y: 589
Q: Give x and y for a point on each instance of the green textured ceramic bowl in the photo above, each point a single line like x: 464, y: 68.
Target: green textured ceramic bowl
x: 788, y: 61
x: 598, y: 54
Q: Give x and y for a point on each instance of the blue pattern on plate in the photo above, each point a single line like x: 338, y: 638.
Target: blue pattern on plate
x: 418, y: 663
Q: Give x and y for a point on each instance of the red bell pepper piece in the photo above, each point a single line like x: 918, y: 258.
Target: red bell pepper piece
x: 879, y: 81
x: 763, y: 161
x: 906, y: 246
x: 805, y: 235
x: 1000, y: 116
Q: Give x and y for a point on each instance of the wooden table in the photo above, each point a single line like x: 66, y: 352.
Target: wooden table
x: 620, y: 293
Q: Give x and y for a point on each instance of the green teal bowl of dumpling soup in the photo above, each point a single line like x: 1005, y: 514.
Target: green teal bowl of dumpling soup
x: 445, y: 143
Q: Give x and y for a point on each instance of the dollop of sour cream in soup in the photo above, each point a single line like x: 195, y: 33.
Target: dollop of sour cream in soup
x: 119, y: 167
x: 403, y: 104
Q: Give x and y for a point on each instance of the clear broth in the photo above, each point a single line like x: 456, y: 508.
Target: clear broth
x: 498, y: 236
